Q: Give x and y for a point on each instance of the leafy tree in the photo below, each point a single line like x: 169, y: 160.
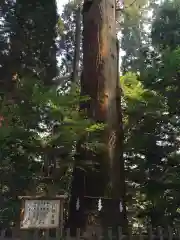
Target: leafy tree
x: 38, y: 136
x: 152, y: 161
x: 134, y: 36
x: 31, y: 31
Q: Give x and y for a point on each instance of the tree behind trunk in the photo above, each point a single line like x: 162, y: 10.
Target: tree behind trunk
x: 32, y: 39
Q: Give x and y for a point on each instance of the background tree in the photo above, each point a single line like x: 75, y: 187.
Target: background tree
x: 134, y: 36
x: 156, y: 152
x: 31, y: 28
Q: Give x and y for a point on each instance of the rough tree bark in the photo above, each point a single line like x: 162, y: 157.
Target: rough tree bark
x: 100, y: 81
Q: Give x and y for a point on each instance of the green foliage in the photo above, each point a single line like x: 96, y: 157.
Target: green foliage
x: 147, y: 149
x: 151, y: 124
x: 40, y: 124
x: 133, y: 34
x: 165, y: 29
x: 67, y: 37
x: 30, y: 34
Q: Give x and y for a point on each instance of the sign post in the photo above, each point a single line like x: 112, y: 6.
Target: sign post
x: 42, y: 212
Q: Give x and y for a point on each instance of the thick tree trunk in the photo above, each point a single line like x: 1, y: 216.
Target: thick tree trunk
x: 100, y: 81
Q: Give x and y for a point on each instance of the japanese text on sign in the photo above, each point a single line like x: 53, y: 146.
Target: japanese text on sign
x: 41, y: 214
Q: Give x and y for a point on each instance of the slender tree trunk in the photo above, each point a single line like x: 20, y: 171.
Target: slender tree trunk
x: 100, y: 81
x: 116, y: 156
x: 77, y: 45
x: 76, y: 215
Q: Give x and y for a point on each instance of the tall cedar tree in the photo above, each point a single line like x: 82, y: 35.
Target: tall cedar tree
x: 100, y: 82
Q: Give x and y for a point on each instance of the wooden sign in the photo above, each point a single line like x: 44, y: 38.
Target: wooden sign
x: 41, y: 214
